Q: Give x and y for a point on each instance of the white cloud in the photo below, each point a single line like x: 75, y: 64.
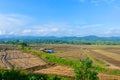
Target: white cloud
x: 55, y: 29
x: 112, y: 32
x: 11, y: 33
x: 13, y: 19
x: 1, y: 33
x: 25, y: 25
x: 14, y: 23
x: 27, y: 31
x: 10, y: 20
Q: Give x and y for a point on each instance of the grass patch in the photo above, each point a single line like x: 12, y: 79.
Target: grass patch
x: 103, y: 70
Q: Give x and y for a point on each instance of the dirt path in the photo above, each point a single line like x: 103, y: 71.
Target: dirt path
x: 1, y: 62
x: 4, y: 59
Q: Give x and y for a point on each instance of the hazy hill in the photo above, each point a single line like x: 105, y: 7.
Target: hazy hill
x: 53, y: 39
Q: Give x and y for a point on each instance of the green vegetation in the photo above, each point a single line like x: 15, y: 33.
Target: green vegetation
x: 79, y: 66
x: 87, y: 40
x: 22, y: 45
x: 103, y: 70
x: 58, y: 60
x: 84, y: 71
x: 22, y: 75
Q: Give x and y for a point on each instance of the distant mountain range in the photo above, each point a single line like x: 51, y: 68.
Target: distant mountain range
x: 85, y: 38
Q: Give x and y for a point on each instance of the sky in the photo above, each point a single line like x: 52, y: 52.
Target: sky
x: 60, y: 17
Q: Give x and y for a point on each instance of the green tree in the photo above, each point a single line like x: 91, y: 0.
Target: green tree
x: 83, y: 71
x: 22, y: 45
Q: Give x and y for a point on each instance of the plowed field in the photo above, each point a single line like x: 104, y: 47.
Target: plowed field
x: 18, y: 59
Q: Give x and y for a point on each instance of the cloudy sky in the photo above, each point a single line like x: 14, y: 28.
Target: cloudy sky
x: 60, y: 17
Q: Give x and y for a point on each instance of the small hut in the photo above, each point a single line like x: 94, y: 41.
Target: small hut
x: 47, y: 50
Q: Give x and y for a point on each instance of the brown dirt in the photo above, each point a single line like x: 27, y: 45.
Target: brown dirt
x: 108, y: 77
x: 108, y: 54
x: 72, y: 52
x: 68, y: 72
x: 113, y: 63
x: 23, y: 60
x: 113, y: 50
x: 58, y: 70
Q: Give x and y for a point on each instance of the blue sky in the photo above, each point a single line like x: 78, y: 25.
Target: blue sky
x: 60, y: 17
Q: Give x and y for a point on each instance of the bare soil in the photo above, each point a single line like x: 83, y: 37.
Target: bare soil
x: 19, y: 59
x: 28, y: 61
x: 103, y: 76
x: 58, y: 70
x: 113, y: 50
x: 115, y: 64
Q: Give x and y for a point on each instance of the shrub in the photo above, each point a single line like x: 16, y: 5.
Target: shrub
x: 84, y: 71
x: 14, y: 74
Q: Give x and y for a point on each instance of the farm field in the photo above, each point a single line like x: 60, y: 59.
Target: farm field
x: 72, y: 52
x: 100, y: 54
x: 30, y: 62
x: 21, y: 60
x: 18, y: 59
x: 58, y: 70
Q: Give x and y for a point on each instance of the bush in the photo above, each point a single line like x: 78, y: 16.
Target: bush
x: 12, y: 75
x: 22, y: 75
x: 84, y: 71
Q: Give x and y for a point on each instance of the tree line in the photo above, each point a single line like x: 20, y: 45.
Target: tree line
x: 58, y: 41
